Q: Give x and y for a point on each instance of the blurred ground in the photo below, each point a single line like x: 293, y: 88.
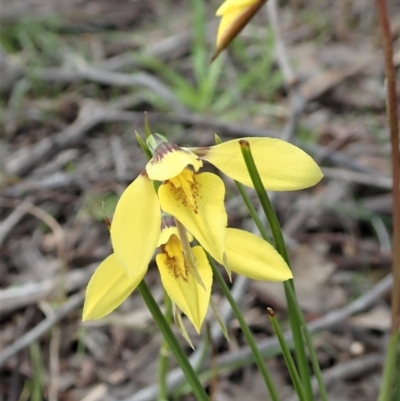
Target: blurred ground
x: 76, y: 77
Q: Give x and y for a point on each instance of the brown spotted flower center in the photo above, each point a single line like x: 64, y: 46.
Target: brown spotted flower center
x: 185, y: 189
x: 175, y: 260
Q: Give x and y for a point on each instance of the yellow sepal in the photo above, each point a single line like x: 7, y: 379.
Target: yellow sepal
x: 136, y: 226
x: 255, y: 258
x: 282, y: 166
x: 108, y: 287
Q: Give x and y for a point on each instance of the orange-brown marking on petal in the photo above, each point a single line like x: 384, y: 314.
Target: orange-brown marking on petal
x: 186, y: 189
x: 176, y: 261
x: 162, y: 149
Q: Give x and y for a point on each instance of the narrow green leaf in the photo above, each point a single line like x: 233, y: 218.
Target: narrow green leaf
x: 294, y: 375
x: 246, y: 332
x: 295, y: 315
x: 173, y: 343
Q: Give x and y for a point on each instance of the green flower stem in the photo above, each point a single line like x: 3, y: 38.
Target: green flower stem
x: 204, y: 349
x: 246, y: 199
x: 295, y: 315
x: 246, y: 332
x: 307, y: 337
x: 173, y: 344
x: 314, y: 361
x: 163, y: 358
x: 390, y: 367
x: 264, y: 200
x: 288, y: 357
x: 252, y: 210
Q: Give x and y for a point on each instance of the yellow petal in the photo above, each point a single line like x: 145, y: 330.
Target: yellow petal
x: 255, y: 258
x: 282, y: 166
x: 197, y: 201
x: 230, y: 6
x: 107, y: 289
x: 181, y: 286
x: 136, y: 226
x: 166, y: 234
x: 169, y: 161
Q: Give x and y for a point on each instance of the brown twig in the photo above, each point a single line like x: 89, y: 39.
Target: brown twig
x: 347, y: 370
x: 393, y: 120
x: 74, y: 302
x: 297, y: 101
x: 93, y: 113
x: 26, y: 294
x: 390, y: 369
x: 358, y: 178
x: 46, y: 218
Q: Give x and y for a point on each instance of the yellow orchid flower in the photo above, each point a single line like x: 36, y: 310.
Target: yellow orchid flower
x: 235, y: 15
x: 196, y: 201
x: 247, y: 254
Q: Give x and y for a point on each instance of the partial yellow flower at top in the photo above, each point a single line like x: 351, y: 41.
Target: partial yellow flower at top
x: 196, y: 201
x: 235, y: 15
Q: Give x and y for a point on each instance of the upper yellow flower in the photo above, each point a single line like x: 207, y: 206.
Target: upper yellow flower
x: 196, y: 201
x: 235, y: 15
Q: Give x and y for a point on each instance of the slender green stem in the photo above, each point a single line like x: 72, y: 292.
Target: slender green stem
x: 295, y: 318
x: 397, y: 384
x: 246, y: 332
x: 204, y: 349
x: 252, y: 210
x: 314, y: 361
x: 176, y: 349
x: 37, y: 380
x: 307, y: 338
x: 295, y: 314
x: 163, y: 358
x: 288, y: 356
x: 264, y: 200
x: 389, y: 369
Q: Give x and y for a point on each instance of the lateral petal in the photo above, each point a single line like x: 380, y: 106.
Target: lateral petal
x: 169, y: 161
x: 255, y: 258
x: 282, y: 166
x: 166, y: 234
x: 108, y: 287
x: 136, y: 226
x: 182, y: 287
x: 198, y: 203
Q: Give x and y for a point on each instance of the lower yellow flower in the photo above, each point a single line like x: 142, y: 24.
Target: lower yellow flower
x: 180, y: 284
x: 247, y: 254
